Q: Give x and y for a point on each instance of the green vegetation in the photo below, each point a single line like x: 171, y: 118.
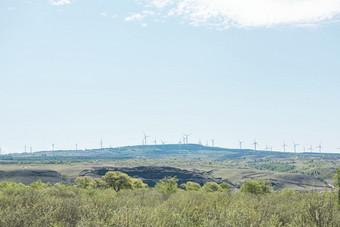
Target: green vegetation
x: 275, y: 166
x: 42, y: 204
x: 337, y: 183
x: 256, y: 187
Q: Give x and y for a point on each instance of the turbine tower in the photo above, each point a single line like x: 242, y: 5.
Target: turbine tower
x: 311, y: 148
x: 101, y: 144
x: 76, y: 147
x: 52, y: 147
x: 186, y: 138
x: 155, y: 141
x: 319, y: 147
x: 144, y: 139
x: 255, y: 144
x: 295, y: 145
x: 284, y: 146
x: 213, y: 142
x: 266, y: 148
x: 240, y: 142
x: 163, y: 142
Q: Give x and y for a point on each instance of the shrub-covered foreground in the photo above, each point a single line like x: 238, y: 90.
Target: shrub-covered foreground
x: 60, y: 205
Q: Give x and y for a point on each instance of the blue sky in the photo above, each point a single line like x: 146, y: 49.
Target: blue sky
x: 75, y: 71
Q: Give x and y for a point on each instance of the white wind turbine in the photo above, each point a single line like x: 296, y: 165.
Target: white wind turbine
x: 145, y: 138
x: 295, y: 145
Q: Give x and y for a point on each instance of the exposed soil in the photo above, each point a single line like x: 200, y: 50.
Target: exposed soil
x: 29, y: 176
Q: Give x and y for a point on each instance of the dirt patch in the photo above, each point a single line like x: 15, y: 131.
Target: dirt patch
x: 29, y: 176
x: 152, y: 174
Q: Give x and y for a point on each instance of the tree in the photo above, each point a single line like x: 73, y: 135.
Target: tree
x: 118, y: 180
x: 39, y: 184
x: 225, y: 187
x: 191, y: 186
x: 138, y: 184
x: 211, y: 187
x: 167, y: 185
x: 84, y: 182
x: 98, y: 183
x: 336, y: 178
x: 256, y: 187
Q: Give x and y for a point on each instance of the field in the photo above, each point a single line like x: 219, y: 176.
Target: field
x: 307, y: 171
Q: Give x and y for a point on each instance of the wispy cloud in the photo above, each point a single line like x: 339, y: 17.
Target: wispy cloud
x: 135, y: 17
x: 104, y: 14
x: 60, y: 2
x: 246, y: 13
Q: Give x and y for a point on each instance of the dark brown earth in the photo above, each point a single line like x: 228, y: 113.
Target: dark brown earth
x: 29, y: 176
x: 152, y: 174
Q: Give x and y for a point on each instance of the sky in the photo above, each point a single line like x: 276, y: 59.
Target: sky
x: 82, y: 71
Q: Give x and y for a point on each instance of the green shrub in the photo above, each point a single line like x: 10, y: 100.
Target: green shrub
x: 256, y: 187
x: 118, y: 180
x: 191, y: 186
x: 225, y: 187
x: 211, y: 187
x: 85, y: 182
x: 167, y: 185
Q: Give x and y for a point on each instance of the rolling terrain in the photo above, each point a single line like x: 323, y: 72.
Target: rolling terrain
x: 189, y: 162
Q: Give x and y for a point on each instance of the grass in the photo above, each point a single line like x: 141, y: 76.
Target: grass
x: 70, y: 206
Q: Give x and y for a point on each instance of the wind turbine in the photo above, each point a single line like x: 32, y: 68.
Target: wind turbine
x: 76, y: 147
x: 186, y: 138
x: 144, y: 139
x: 311, y: 148
x: 267, y: 148
x: 241, y: 142
x: 213, y: 142
x: 155, y: 141
x: 295, y: 145
x: 319, y: 147
x: 101, y: 144
x: 163, y: 142
x: 255, y: 144
x: 284, y: 146
x: 52, y: 147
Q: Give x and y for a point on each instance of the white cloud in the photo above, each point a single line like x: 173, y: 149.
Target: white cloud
x: 135, y: 17
x: 60, y: 2
x: 248, y: 13
x: 103, y: 14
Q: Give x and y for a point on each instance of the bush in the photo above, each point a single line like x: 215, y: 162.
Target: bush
x: 167, y: 185
x: 118, y: 180
x: 191, y: 186
x: 225, y: 187
x: 85, y: 182
x: 138, y: 184
x: 211, y: 187
x: 256, y: 187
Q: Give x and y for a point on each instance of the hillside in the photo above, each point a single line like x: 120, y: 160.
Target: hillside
x: 302, y: 171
